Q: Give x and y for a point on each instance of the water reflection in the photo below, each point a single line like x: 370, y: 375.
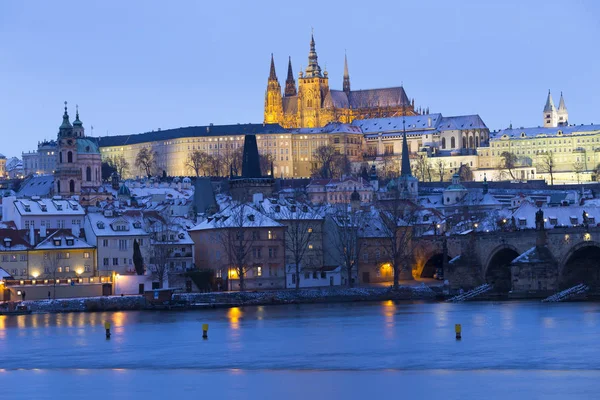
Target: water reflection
x: 389, y: 312
x: 234, y: 314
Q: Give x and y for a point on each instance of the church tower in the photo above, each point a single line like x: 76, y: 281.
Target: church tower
x: 550, y: 114
x: 290, y: 83
x: 313, y: 86
x: 273, y: 101
x: 562, y: 113
x: 66, y: 176
x: 346, y: 84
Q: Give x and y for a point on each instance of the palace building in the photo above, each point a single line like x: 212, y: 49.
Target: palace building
x: 314, y: 104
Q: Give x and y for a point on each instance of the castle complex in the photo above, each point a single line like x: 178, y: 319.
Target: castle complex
x: 314, y: 104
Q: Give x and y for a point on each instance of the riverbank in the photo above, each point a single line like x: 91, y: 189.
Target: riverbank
x: 235, y: 299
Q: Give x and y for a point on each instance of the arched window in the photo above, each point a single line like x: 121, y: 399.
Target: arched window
x: 464, y: 142
x: 72, y: 186
x: 309, y: 103
x: 452, y: 142
x: 58, y: 186
x: 443, y: 143
x: 476, y: 141
x: 60, y: 157
x: 88, y: 174
x: 471, y: 141
x: 69, y: 157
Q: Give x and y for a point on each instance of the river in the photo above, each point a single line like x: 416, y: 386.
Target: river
x: 352, y: 351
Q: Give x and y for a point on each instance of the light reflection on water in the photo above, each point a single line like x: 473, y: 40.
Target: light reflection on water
x: 368, y: 336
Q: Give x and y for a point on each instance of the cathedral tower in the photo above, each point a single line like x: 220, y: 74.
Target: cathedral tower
x: 562, y: 113
x: 273, y: 102
x: 313, y: 86
x: 346, y: 84
x: 550, y: 115
x: 66, y: 177
x: 290, y: 83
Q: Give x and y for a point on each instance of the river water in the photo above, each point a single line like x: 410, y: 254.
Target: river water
x: 352, y: 351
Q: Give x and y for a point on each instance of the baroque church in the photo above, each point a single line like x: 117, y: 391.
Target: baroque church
x: 78, y: 167
x: 314, y: 104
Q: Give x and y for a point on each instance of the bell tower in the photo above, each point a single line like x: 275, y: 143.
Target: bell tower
x: 313, y: 86
x: 67, y: 176
x: 273, y: 101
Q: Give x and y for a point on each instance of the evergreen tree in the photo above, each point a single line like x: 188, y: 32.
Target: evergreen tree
x: 138, y: 260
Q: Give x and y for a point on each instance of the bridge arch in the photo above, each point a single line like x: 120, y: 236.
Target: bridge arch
x: 433, y: 264
x: 581, y: 264
x: 497, y: 267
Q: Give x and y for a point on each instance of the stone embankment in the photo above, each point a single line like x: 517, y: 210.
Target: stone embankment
x: 232, y: 299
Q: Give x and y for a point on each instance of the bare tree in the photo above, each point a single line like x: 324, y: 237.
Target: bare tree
x: 390, y: 167
x: 163, y: 241
x: 119, y: 163
x: 578, y: 168
x: 422, y: 169
x: 324, y: 157
x: 146, y: 160
x: 397, y: 219
x: 441, y: 169
x: 346, y: 238
x: 266, y: 160
x: 51, y: 269
x: 237, y: 235
x: 547, y: 164
x: 465, y: 173
x: 195, y: 161
x: 303, y: 230
x: 508, y: 162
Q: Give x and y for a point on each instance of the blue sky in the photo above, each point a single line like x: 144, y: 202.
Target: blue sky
x: 133, y: 66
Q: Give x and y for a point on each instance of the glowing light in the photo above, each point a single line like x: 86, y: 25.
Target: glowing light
x: 79, y: 271
x: 587, y: 237
x: 234, y: 315
x: 35, y: 274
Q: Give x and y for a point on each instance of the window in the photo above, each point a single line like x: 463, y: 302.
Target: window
x: 67, y: 255
x: 310, y: 246
x: 443, y: 143
x: 86, y: 268
x: 270, y: 235
x: 4, y: 258
x: 256, y: 253
x: 452, y: 142
x: 259, y: 271
x: 86, y: 255
x: 67, y: 269
x: 272, y: 252
x: 104, y: 242
x: 124, y: 261
x: 310, y: 230
x: 23, y: 257
x: 115, y: 261
x: 70, y: 242
x: 377, y: 254
x: 315, y: 275
x: 323, y: 275
x: 255, y: 235
x: 13, y: 258
x: 307, y: 275
x: 59, y: 269
x: 365, y: 256
x: 122, y: 244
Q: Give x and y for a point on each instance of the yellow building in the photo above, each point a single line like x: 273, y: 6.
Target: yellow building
x: 314, y: 104
x: 573, y: 152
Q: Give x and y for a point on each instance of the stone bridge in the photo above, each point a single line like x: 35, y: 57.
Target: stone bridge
x: 522, y: 261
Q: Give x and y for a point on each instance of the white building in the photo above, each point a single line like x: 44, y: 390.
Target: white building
x: 54, y: 213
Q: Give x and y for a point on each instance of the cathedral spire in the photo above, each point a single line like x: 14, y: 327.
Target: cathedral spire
x: 290, y: 83
x: 405, y: 168
x: 561, y: 104
x: 66, y: 124
x: 549, y: 107
x: 313, y: 70
x: 272, y: 75
x: 346, y: 85
x: 77, y: 122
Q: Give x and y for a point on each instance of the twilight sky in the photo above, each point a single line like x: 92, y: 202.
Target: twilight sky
x: 133, y: 66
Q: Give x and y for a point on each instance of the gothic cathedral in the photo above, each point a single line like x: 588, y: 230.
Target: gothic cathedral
x: 315, y: 105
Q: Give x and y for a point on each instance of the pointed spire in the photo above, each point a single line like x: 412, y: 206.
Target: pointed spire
x: 346, y: 85
x: 313, y: 69
x: 66, y: 124
x: 290, y: 83
x: 561, y: 104
x: 77, y: 122
x: 272, y: 75
x: 549, y: 107
x: 405, y: 168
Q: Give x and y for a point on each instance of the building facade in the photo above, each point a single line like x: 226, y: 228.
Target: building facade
x: 41, y: 161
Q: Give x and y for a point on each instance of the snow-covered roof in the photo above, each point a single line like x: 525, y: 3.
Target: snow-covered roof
x: 236, y: 216
x: 45, y: 206
x: 286, y: 210
x: 128, y: 224
x: 559, y: 131
x: 62, y: 239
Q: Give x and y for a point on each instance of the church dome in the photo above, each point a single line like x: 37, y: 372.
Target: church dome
x: 124, y: 191
x: 87, y: 146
